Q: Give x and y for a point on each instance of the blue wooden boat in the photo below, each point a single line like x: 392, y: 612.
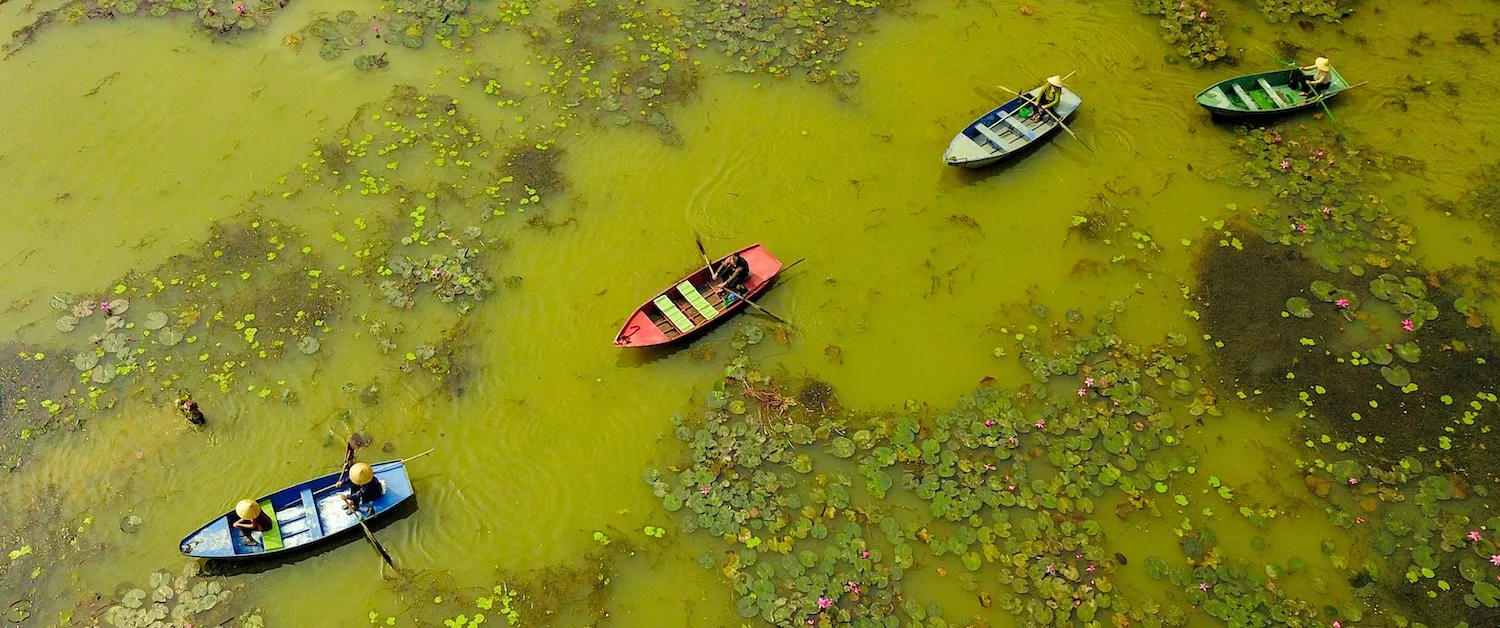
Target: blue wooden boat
x: 301, y: 515
x: 1007, y: 129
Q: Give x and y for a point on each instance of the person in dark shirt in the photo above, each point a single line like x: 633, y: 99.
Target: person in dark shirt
x: 190, y: 411
x: 252, y: 520
x: 733, y: 273
x: 365, y: 490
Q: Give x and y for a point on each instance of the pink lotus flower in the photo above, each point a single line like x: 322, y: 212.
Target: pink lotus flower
x: 1359, y: 520
x: 1277, y: 140
x: 703, y: 490
x: 1474, y: 535
x: 1041, y: 423
x: 1051, y: 569
x: 1090, y: 569
x: 1327, y: 211
x: 1341, y: 302
x: 1013, y: 441
x: 1495, y: 560
x: 1286, y: 165
x: 1202, y: 586
x: 1077, y: 602
x: 1083, y: 392
x: 824, y: 602
x: 1353, y: 481
x: 1088, y: 381
x: 1203, y: 15
x: 864, y: 554
x: 1301, y: 227
x: 989, y: 423
x: 1336, y: 624
x: 1408, y: 325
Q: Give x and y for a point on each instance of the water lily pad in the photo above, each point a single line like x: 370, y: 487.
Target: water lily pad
x: 155, y: 320
x: 119, y: 306
x: 66, y: 324
x: 83, y: 309
x: 1299, y: 307
x: 85, y: 361
x: 308, y: 345
x: 1409, y: 351
x: 1385, y: 286
x: 169, y: 337
x: 1322, y: 290
x: 130, y: 524
x: 63, y: 302
x: 1380, y: 355
x: 103, y: 374
x: 114, y: 322
x: 841, y: 447
x: 113, y: 343
x: 1395, y: 375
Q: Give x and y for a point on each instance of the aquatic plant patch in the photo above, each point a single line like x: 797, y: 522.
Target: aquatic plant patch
x: 1192, y: 27
x: 1289, y: 10
x: 218, y: 18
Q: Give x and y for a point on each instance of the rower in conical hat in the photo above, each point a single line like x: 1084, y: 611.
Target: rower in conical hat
x: 366, y: 490
x: 251, y: 520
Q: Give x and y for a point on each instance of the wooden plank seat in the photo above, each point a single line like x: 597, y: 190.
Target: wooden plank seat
x: 1245, y: 98
x: 1271, y: 91
x: 1019, y: 128
x: 673, y: 314
x: 991, y: 135
x: 696, y: 300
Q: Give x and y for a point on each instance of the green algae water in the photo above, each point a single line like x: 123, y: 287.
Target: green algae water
x: 1175, y: 372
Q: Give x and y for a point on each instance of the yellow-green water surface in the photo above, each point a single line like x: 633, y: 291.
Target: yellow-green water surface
x: 127, y: 140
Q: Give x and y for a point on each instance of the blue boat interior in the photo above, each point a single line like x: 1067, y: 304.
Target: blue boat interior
x: 301, y: 514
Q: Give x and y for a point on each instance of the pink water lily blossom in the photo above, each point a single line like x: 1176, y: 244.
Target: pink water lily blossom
x: 1041, y: 423
x: 824, y: 602
x: 1203, y: 586
x: 1353, y: 481
x: 1088, y: 381
x: 1495, y: 560
x: 1408, y: 325
x: 1343, y: 303
x: 1336, y: 624
x: 1474, y: 535
x: 1083, y: 392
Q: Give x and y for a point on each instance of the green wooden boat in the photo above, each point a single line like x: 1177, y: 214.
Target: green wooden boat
x: 1263, y: 95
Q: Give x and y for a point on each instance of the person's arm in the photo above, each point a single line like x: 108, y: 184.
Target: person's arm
x: 244, y: 524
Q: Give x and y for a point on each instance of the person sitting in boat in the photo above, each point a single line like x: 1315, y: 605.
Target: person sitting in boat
x: 252, y: 520
x: 366, y: 489
x: 733, y: 272
x: 1050, y: 95
x: 1320, y: 79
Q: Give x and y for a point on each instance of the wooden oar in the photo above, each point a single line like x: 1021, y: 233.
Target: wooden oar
x: 370, y: 536
x: 698, y: 240
x: 1316, y: 94
x: 1064, y: 125
x: 758, y: 307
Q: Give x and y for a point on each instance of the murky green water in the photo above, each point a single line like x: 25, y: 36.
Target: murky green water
x: 126, y: 141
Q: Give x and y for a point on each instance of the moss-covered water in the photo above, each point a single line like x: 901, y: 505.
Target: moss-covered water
x: 1234, y: 376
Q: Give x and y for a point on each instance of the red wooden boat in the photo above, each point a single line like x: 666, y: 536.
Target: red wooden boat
x: 689, y: 305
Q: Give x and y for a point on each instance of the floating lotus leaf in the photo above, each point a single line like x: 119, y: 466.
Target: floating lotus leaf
x: 113, y: 343
x: 1487, y: 594
x: 133, y: 598
x: 656, y: 118
x: 1176, y: 339
x: 66, y: 324
x: 841, y: 447
x: 119, y: 306
x: 114, y: 322
x: 245, y: 22
x: 1385, y: 286
x: 737, y: 407
x: 347, y: 17
x: 308, y: 345
x: 1404, y: 303
x: 610, y: 105
x: 1395, y: 375
x: 330, y: 51
x: 1425, y: 311
x: 1299, y: 307
x: 103, y: 374
x: 1379, y: 355
x: 83, y: 309
x: 1322, y: 290
x: 644, y: 93
x: 169, y: 337
x: 1462, y: 305
x: 160, y: 10
x: 1350, y: 300
x: 413, y: 41
x: 63, y: 302
x: 155, y: 320
x: 127, y: 7
x: 85, y: 361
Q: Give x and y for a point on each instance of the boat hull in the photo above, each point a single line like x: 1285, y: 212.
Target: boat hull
x: 999, y: 134
x: 649, y: 325
x: 1229, y: 98
x: 297, y: 525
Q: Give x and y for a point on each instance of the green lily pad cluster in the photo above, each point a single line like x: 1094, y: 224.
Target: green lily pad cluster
x: 1319, y: 196
x: 1111, y: 227
x: 1193, y: 26
x: 1238, y: 592
x: 41, y: 546
x: 1008, y: 482
x: 220, y: 18
x: 1301, y: 10
x: 179, y: 601
x: 780, y: 38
